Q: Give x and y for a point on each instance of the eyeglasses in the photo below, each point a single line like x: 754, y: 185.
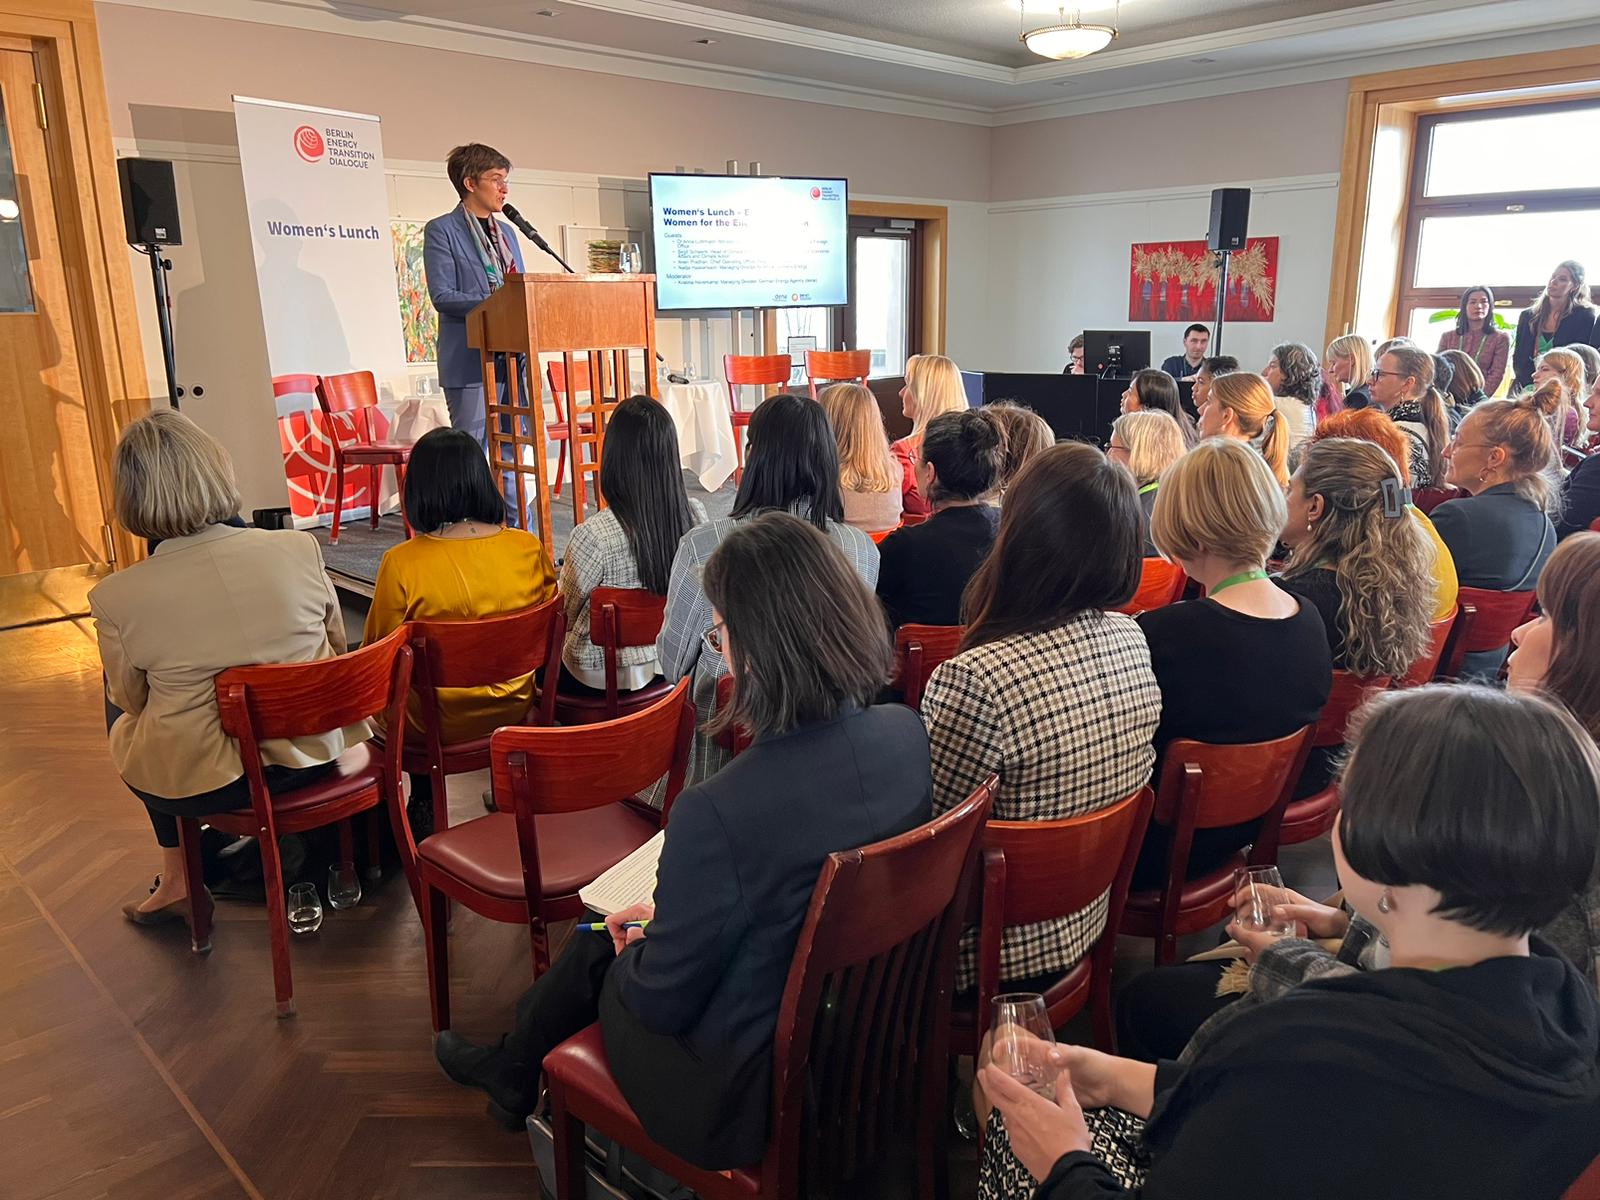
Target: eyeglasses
x: 713, y: 638
x: 1375, y: 373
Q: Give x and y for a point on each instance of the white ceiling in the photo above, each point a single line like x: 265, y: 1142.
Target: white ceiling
x: 954, y: 59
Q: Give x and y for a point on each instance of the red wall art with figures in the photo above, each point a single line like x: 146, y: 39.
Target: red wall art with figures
x: 1177, y: 281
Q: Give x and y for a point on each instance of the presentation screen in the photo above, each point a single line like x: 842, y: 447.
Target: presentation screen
x: 749, y: 241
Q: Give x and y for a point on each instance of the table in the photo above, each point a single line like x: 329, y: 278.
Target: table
x: 705, y: 430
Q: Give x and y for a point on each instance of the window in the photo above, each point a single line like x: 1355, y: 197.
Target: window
x: 16, y: 296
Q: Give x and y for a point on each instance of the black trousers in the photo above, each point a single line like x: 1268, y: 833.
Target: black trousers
x: 1159, y: 1011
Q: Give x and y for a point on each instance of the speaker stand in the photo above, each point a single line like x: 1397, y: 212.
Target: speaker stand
x: 159, y: 267
x: 1222, y: 257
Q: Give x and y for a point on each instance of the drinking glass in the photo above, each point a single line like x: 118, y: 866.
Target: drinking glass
x: 629, y: 261
x: 1022, y: 1040
x: 305, y: 908
x: 344, y: 885
x: 1256, y: 890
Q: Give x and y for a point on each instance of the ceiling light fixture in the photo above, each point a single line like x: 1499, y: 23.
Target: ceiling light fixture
x: 1071, y: 37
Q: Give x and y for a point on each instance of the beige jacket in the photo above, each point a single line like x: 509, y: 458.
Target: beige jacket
x: 168, y: 626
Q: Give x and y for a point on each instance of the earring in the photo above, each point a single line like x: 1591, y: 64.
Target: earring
x: 1386, y: 902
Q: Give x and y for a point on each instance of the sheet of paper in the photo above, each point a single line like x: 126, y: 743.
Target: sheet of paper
x: 631, y: 881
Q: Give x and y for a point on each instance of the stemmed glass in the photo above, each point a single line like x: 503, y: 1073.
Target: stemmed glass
x: 1256, y: 892
x: 1021, y: 1041
x: 344, y: 885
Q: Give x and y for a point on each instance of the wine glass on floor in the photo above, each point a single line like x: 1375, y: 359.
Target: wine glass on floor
x: 305, y: 908
x: 344, y: 885
x: 1021, y: 1040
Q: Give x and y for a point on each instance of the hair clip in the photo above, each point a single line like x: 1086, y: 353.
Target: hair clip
x: 1396, y: 496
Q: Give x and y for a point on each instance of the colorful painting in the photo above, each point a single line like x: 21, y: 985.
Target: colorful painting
x: 1177, y: 281
x: 419, y: 323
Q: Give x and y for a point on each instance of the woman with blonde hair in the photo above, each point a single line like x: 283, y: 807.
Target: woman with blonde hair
x: 1565, y: 367
x: 1241, y: 406
x: 1026, y: 435
x: 933, y: 386
x: 869, y: 476
x: 1561, y: 316
x: 1147, y: 442
x: 1347, y: 362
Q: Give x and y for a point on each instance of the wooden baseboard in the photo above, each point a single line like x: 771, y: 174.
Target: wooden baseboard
x: 52, y: 595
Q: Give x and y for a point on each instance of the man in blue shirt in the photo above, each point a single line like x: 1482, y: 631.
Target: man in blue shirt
x: 1196, y: 341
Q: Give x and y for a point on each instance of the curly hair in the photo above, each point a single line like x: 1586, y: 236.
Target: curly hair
x: 1302, y: 372
x: 1383, y: 563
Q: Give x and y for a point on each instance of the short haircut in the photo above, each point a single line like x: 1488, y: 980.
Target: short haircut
x: 1220, y: 364
x: 1490, y: 798
x: 170, y: 478
x: 1196, y: 328
x: 1369, y: 425
x: 1154, y: 441
x: 1444, y: 373
x: 1027, y: 433
x: 967, y: 451
x: 807, y: 636
x: 1301, y: 371
x: 1156, y: 389
x: 1075, y: 344
x: 1222, y: 499
x: 934, y: 382
x: 471, y: 161
x: 1569, y: 595
x: 448, y: 480
x: 642, y: 481
x: 1071, y: 540
x: 1358, y: 350
x: 790, y: 461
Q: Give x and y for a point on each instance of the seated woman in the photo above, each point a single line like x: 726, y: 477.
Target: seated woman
x: 1359, y: 558
x: 1498, y: 533
x: 1402, y: 387
x: 1250, y: 662
x: 1557, y: 654
x: 463, y: 563
x: 1156, y: 391
x: 1295, y: 377
x: 1347, y: 363
x: 1580, y: 491
x: 1370, y: 425
x: 1147, y: 443
x: 1241, y: 407
x: 1211, y: 369
x: 630, y: 542
x: 869, y: 475
x: 1026, y: 434
x: 688, y: 1006
x: 790, y: 465
x: 933, y: 386
x: 210, y: 597
x: 1469, y: 823
x: 924, y: 569
x: 1049, y: 690
x: 1466, y: 384
x: 1565, y: 367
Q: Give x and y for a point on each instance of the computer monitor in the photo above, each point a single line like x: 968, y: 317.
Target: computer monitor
x: 1115, y: 353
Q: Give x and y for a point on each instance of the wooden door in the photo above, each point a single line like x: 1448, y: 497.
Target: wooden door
x: 53, y: 537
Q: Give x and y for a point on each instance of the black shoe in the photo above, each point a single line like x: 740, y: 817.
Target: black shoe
x: 512, y: 1089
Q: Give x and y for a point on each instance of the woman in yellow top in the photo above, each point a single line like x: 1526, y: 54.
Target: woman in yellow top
x: 463, y: 563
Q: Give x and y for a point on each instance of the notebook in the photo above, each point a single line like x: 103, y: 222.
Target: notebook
x: 632, y: 881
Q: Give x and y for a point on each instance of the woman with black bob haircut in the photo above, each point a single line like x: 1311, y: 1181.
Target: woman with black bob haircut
x: 688, y: 1006
x: 464, y: 563
x: 1469, y: 821
x: 925, y: 568
x: 629, y: 543
x: 791, y: 465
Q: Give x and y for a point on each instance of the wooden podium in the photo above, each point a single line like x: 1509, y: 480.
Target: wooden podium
x: 592, y: 319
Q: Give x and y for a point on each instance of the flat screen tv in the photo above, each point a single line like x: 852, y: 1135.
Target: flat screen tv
x: 749, y: 241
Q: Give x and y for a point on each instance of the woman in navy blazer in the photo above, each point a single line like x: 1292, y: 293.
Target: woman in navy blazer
x: 688, y: 1007
x: 1561, y: 316
x: 1580, y: 494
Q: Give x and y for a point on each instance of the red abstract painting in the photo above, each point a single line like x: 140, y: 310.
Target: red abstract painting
x: 1177, y: 281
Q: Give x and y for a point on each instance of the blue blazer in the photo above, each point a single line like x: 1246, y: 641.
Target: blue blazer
x: 457, y: 284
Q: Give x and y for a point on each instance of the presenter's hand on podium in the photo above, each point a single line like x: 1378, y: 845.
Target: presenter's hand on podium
x: 616, y: 925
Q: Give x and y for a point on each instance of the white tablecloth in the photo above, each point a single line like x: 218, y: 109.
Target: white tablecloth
x: 705, y: 430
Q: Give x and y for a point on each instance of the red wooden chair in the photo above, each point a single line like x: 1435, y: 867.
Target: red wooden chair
x: 297, y: 700
x: 1041, y: 870
x: 560, y: 429
x: 1315, y: 815
x: 618, y: 617
x: 837, y: 366
x: 1205, y: 786
x: 877, y: 535
x: 1594, y: 525
x: 1425, y: 668
x: 1429, y: 498
x: 736, y: 740
x: 862, y: 1037
x: 1160, y: 583
x: 913, y: 518
x: 567, y: 811
x: 750, y: 370
x: 354, y: 395
x: 469, y: 654
x: 1484, y: 622
x: 918, y: 651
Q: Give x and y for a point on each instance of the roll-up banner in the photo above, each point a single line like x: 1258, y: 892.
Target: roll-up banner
x: 319, y: 223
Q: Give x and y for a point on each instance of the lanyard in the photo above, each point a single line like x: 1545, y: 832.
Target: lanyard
x: 1241, y: 577
x: 1149, y: 487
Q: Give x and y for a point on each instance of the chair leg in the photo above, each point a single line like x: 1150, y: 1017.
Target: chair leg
x: 1166, y: 948
x: 1105, y: 1031
x: 338, y: 501
x: 561, y: 468
x: 436, y: 943
x: 374, y: 845
x: 277, y: 925
x: 567, y: 1131
x: 374, y: 479
x: 400, y: 486
x: 540, y: 937
x: 738, y: 455
x: 194, y: 878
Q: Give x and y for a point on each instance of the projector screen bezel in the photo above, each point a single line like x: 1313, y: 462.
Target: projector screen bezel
x: 849, y: 281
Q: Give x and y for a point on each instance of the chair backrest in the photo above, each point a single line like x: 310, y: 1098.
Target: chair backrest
x: 1425, y: 668
x: 355, y: 394
x: 556, y: 372
x: 877, y: 535
x: 918, y: 651
x: 1485, y: 622
x: 479, y: 651
x: 756, y: 369
x: 621, y: 617
x: 837, y: 366
x: 286, y: 700
x: 864, y: 1027
x: 736, y: 740
x: 1160, y: 583
x: 1429, y: 498
x: 1349, y: 692
x: 1041, y: 870
x: 294, y: 385
x: 1594, y: 525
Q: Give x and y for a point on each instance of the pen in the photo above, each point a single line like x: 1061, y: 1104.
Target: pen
x: 600, y: 926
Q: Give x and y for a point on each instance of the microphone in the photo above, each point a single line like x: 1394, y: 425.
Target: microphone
x: 533, y: 235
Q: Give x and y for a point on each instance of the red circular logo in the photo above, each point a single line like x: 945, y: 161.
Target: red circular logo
x: 816, y: 193
x: 308, y: 143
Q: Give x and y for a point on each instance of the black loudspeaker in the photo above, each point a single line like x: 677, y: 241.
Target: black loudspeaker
x: 1230, y: 218
x: 149, y: 202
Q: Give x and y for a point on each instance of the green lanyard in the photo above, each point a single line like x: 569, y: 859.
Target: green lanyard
x: 1241, y: 577
x: 1149, y: 487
